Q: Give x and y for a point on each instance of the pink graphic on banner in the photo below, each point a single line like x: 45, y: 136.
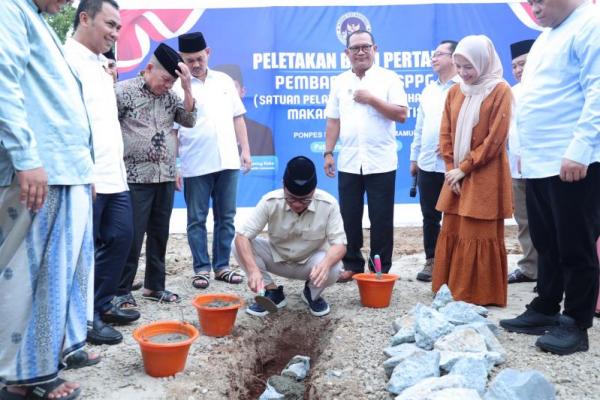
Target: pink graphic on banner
x: 141, y: 28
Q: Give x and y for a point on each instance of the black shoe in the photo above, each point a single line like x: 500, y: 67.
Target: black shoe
x: 120, y: 316
x: 566, y: 338
x: 517, y: 276
x: 100, y: 333
x: 530, y: 322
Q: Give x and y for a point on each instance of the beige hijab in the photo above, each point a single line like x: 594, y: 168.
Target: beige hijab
x: 480, y: 52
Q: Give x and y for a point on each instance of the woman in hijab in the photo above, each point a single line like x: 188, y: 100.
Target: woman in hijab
x: 476, y: 198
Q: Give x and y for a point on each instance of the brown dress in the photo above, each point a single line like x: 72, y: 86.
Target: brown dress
x: 470, y: 255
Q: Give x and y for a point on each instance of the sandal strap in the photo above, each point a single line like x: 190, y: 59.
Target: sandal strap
x: 167, y: 294
x: 42, y: 390
x: 125, y: 299
x: 228, y: 276
x: 201, y: 276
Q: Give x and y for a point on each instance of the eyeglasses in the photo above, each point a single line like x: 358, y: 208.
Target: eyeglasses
x: 438, y: 54
x: 304, y: 201
x: 356, y: 49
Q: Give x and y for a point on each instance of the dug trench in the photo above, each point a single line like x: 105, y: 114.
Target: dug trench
x: 267, y: 349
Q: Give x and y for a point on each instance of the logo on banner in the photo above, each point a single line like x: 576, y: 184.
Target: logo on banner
x: 351, y: 22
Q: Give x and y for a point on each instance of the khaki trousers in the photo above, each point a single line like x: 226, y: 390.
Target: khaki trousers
x: 292, y: 270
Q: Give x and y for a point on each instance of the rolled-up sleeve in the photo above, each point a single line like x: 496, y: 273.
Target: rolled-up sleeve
x: 16, y: 137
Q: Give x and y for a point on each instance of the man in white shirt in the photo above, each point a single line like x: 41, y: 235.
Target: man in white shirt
x: 558, y: 121
x: 526, y: 270
x: 96, y: 29
x: 210, y: 162
x: 425, y: 161
x: 364, y: 104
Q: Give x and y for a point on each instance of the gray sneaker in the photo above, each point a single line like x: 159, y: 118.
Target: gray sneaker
x: 425, y: 274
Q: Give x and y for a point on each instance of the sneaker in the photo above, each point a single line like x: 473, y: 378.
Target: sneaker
x: 276, y: 295
x: 566, y: 338
x: 425, y: 274
x: 318, y: 307
x: 517, y: 276
x: 530, y: 322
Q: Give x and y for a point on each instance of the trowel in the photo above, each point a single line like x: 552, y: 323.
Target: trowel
x: 265, y: 302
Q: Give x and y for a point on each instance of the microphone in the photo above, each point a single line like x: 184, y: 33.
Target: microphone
x: 413, y: 187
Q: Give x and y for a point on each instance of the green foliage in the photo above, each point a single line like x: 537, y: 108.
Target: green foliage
x: 62, y: 23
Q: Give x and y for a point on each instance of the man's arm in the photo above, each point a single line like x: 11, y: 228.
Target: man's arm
x: 185, y: 113
x: 186, y: 84
x: 415, y: 146
x: 388, y: 110
x: 241, y: 135
x: 586, y: 136
x: 243, y: 248
x: 254, y: 225
x: 16, y: 136
x: 332, y: 132
x: 320, y: 272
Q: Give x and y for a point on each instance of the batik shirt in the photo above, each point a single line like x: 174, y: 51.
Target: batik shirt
x: 146, y: 123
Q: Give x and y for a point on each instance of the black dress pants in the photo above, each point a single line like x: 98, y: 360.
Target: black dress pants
x: 430, y: 185
x: 380, y: 190
x: 564, y: 222
x: 113, y: 233
x: 152, y: 205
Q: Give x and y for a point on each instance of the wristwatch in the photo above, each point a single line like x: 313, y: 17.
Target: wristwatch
x: 326, y: 153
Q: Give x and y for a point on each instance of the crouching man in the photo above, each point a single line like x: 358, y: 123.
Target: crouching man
x: 306, y: 240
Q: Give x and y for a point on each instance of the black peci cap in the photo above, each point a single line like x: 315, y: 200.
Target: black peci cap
x: 168, y: 58
x: 519, y: 48
x: 191, y: 42
x: 300, y: 176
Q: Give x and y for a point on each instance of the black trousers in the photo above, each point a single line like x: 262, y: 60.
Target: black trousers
x: 380, y: 190
x: 430, y: 185
x: 152, y: 205
x: 113, y: 233
x: 564, y: 222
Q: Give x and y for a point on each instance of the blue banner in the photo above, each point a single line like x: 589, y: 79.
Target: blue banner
x: 288, y: 57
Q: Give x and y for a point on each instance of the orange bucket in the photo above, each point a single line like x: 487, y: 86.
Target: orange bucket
x: 168, y: 358
x: 216, y: 320
x: 374, y: 292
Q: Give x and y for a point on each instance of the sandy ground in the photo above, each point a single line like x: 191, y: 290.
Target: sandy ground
x: 345, y: 346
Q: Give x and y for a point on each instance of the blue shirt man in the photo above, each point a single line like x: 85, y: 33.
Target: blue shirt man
x: 558, y: 123
x: 45, y: 171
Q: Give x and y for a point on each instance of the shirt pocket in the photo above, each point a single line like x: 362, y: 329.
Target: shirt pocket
x: 314, y: 235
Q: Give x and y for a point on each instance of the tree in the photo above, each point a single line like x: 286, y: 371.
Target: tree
x: 62, y: 23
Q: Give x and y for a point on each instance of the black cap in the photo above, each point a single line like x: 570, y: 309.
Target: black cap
x: 519, y: 48
x: 110, y: 55
x: 233, y: 70
x: 168, y: 58
x: 191, y: 42
x: 300, y: 176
